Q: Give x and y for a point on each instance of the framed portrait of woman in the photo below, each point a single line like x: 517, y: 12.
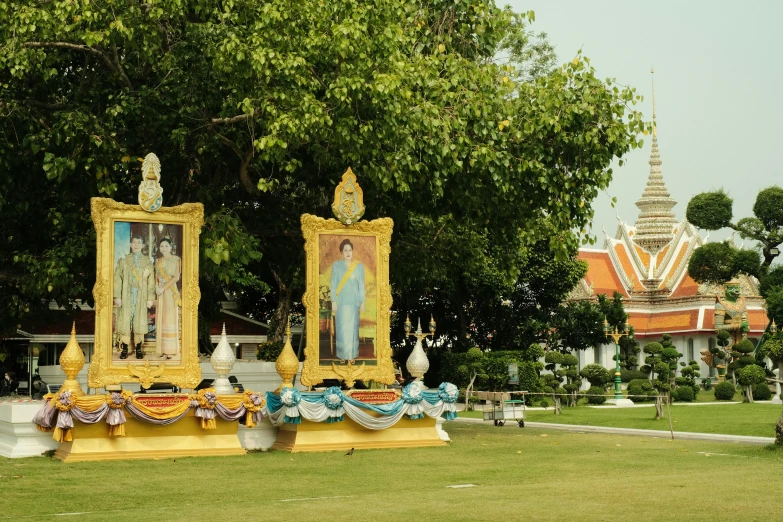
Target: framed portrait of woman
x: 146, y: 294
x: 347, y: 301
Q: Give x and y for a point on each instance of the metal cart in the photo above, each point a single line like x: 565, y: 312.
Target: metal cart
x: 500, y: 407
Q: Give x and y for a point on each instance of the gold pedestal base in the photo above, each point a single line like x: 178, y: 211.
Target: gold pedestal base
x: 184, y: 438
x: 347, y: 434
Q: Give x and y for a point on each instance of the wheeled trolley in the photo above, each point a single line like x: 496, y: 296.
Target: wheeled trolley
x: 500, y: 407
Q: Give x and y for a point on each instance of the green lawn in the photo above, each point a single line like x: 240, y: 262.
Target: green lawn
x: 520, y: 474
x: 731, y: 419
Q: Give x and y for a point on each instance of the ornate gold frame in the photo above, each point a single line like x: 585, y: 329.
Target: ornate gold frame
x: 312, y: 372
x: 102, y: 372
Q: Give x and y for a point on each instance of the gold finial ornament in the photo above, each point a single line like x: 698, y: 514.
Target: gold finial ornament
x: 287, y: 364
x: 348, y: 206
x: 72, y: 362
x: 150, y: 191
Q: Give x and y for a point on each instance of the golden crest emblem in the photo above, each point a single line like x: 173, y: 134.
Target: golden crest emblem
x: 348, y: 206
x: 150, y: 191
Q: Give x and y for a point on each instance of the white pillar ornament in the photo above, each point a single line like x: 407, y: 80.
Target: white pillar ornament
x: 222, y: 360
x: 417, y: 363
x: 776, y: 399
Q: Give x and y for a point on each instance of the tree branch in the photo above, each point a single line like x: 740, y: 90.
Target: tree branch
x: 85, y: 49
x: 233, y: 119
x: 244, y: 158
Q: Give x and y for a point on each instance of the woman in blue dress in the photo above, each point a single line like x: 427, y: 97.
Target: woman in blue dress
x: 347, y: 291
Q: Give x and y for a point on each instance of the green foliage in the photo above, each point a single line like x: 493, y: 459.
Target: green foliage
x: 768, y: 208
x: 552, y: 358
x: 751, y: 374
x: 269, y: 351
x: 719, y: 262
x: 533, y: 353
x: 773, y: 348
x: 629, y: 375
x: 259, y: 108
x: 725, y: 391
x: 761, y: 392
x: 745, y: 346
x: 710, y: 210
x: 747, y: 262
x: 688, y: 375
x: 683, y: 394
x: 493, y: 370
x: 596, y: 395
x: 640, y: 390
x: 614, y: 312
x: 596, y: 375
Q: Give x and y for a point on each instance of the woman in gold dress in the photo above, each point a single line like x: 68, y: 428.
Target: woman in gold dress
x: 167, y: 316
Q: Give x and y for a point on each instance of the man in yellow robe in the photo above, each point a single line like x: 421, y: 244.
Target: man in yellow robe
x: 134, y: 292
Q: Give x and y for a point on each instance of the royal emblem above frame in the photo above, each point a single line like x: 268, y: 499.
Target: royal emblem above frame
x: 146, y: 289
x: 348, y: 297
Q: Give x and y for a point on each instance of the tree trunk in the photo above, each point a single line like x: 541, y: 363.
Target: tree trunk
x: 556, y: 399
x: 280, y: 317
x: 779, y: 431
x: 658, y: 407
x: 469, y: 392
x: 749, y: 394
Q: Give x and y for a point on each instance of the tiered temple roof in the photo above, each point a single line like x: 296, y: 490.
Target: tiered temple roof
x: 647, y: 263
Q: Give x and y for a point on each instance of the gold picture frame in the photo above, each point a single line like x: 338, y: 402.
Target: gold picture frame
x: 371, y: 242
x: 183, y: 222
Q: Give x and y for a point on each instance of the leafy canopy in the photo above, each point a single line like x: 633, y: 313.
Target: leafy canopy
x: 255, y: 109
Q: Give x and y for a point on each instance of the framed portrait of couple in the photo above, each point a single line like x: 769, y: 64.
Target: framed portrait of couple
x: 146, y: 294
x: 347, y: 301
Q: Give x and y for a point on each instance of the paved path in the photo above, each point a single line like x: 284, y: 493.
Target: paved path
x: 678, y: 435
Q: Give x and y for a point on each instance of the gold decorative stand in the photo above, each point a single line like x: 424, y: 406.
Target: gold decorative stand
x: 184, y: 438
x: 321, y: 436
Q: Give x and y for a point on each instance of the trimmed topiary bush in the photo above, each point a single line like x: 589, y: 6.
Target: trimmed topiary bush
x: 725, y: 391
x: 629, y: 375
x: 640, y: 390
x: 761, y: 392
x: 683, y: 394
x: 596, y: 395
x: 596, y: 375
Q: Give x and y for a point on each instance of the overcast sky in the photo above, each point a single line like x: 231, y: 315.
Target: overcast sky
x: 717, y: 91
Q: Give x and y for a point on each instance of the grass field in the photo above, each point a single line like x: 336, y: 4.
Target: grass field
x: 528, y: 474
x: 731, y: 419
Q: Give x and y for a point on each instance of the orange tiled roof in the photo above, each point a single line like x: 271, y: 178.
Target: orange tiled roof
x: 625, y: 260
x: 643, y: 256
x: 601, y: 273
x: 687, y: 287
x: 661, y: 255
x: 758, y: 320
x: 645, y: 324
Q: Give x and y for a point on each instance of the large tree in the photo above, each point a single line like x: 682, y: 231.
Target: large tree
x: 256, y: 109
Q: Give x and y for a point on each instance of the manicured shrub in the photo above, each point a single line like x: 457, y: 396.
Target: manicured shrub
x: 596, y: 375
x: 596, y: 395
x: 725, y: 391
x: 761, y: 392
x: 630, y: 375
x: 683, y: 394
x: 640, y: 390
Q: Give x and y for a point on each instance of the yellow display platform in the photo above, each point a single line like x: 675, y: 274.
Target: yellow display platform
x: 184, y: 438
x: 347, y: 434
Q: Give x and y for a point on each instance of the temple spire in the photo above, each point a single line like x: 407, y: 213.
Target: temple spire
x: 656, y: 221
